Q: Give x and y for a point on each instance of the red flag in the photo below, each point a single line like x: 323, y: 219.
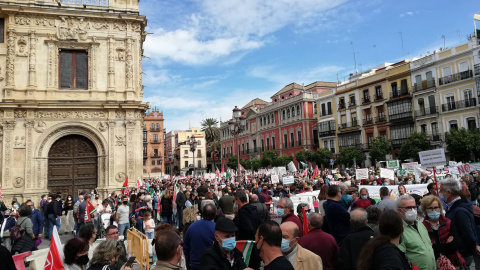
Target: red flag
x: 305, y: 225
x: 125, y: 190
x: 55, y: 255
x: 89, y: 211
x: 159, y: 206
x: 315, y: 172
x: 222, y: 170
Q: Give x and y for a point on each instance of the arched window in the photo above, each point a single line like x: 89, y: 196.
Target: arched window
x: 268, y: 119
x: 298, y: 109
x: 283, y: 114
x: 288, y: 113
x: 293, y: 111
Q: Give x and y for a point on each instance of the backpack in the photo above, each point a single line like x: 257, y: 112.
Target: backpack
x: 15, y: 232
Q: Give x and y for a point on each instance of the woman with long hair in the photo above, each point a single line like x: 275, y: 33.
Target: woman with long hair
x: 322, y: 198
x: 68, y: 206
x: 167, y: 206
x: 75, y: 254
x: 383, y: 250
x: 138, y: 209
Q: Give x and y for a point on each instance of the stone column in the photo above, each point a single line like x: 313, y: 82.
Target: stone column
x: 10, y: 69
x: 111, y: 66
x: 32, y: 77
x: 111, y: 152
x: 130, y: 152
x: 129, y: 69
x: 8, y: 127
x: 28, y: 154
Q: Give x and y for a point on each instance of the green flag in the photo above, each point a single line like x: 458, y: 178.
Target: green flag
x: 228, y: 173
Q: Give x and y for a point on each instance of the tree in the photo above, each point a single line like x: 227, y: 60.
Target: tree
x: 269, y: 158
x: 246, y: 163
x: 283, y: 160
x: 212, y: 133
x: 323, y: 156
x: 461, y: 144
x: 347, y: 155
x: 213, y: 150
x: 303, y: 155
x: 379, y: 148
x: 232, y: 162
x: 256, y: 164
x: 417, y: 142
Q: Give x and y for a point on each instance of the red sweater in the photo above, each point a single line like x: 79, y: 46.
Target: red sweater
x: 322, y: 244
x: 291, y: 217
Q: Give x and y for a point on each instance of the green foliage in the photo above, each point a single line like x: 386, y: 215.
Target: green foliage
x: 284, y: 160
x: 212, y: 133
x: 256, y: 164
x: 269, y: 158
x: 246, y: 163
x: 232, y: 162
x: 379, y: 148
x: 417, y: 142
x: 348, y: 154
x: 462, y: 143
x: 303, y: 155
x: 322, y: 156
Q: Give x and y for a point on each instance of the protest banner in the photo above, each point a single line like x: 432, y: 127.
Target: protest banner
x: 410, y: 166
x: 274, y: 179
x: 387, y: 173
x: 393, y: 164
x: 402, y: 173
x: 432, y: 158
x: 288, y: 180
x: 361, y: 174
x: 374, y: 191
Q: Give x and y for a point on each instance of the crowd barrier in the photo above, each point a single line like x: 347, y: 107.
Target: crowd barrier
x: 138, y: 245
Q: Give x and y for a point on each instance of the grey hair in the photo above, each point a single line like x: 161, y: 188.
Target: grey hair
x: 359, y: 220
x: 316, y: 220
x: 451, y: 185
x: 288, y: 203
x: 106, y: 252
x: 343, y: 186
x: 403, y: 197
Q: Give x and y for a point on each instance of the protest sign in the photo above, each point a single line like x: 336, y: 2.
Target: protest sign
x: 387, y: 173
x: 433, y: 158
x: 392, y: 164
x: 361, y: 174
x: 402, y: 173
x: 288, y: 180
x: 274, y: 179
x: 374, y: 191
x: 410, y: 166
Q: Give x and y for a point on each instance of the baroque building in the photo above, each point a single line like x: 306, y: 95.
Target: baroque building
x: 71, y: 96
x: 153, y: 144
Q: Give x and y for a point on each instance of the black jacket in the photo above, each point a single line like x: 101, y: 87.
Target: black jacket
x: 54, y: 208
x: 389, y: 257
x: 262, y: 211
x: 167, y: 207
x: 247, y: 222
x: 463, y: 226
x: 180, y: 200
x: 214, y: 259
x: 351, y: 246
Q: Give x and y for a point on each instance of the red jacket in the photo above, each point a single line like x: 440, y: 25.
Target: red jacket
x: 443, y: 229
x: 322, y: 244
x: 291, y: 217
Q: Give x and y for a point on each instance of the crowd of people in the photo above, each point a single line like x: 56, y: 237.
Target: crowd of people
x: 199, y: 224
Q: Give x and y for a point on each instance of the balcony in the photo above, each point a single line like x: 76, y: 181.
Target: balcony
x: 326, y: 113
x: 476, y: 69
x: 424, y: 86
x: 397, y: 143
x: 352, y: 104
x: 341, y: 105
x: 435, y: 137
x: 368, y: 120
x: 326, y: 133
x: 348, y: 125
x: 399, y: 93
x: 429, y: 111
x: 155, y: 155
x: 382, y: 118
x: 378, y: 96
x: 358, y: 145
x: 155, y: 141
x: 456, y: 77
x: 98, y: 3
x: 451, y: 106
x: 154, y: 130
x: 366, y: 100
x: 400, y: 116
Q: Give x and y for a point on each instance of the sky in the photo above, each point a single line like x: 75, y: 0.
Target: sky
x: 203, y: 57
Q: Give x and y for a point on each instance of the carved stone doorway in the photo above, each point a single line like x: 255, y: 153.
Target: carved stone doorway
x: 72, y: 166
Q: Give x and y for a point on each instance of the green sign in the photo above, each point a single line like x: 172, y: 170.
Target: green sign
x: 402, y: 173
x: 392, y: 164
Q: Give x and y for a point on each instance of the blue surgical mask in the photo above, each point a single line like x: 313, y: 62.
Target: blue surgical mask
x: 229, y: 243
x: 435, y: 215
x: 474, y: 175
x: 364, y: 196
x: 349, y: 198
x: 280, y: 212
x: 385, y: 184
x: 409, y: 182
x: 285, y: 245
x: 442, y: 197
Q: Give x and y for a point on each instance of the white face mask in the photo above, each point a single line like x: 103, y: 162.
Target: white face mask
x: 411, y: 215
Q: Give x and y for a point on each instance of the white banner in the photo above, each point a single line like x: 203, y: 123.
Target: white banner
x: 275, y: 179
x: 374, y: 191
x: 361, y: 174
x: 288, y: 180
x: 387, y: 173
x: 291, y: 167
x: 410, y: 166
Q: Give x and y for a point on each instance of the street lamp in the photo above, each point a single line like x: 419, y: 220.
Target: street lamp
x: 193, y: 147
x: 237, y: 125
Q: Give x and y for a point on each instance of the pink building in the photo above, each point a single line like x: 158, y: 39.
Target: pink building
x: 286, y: 124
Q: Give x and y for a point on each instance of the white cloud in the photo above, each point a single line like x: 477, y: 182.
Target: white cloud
x: 408, y: 13
x: 216, y: 30
x: 307, y: 76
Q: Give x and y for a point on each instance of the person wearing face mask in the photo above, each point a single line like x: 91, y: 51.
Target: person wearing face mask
x: 299, y: 257
x: 106, y: 255
x: 415, y: 239
x: 180, y: 201
x: 54, y: 212
x: 460, y: 212
x: 363, y: 201
x: 122, y: 217
x: 438, y: 227
x: 223, y: 254
x: 169, y: 251
x: 139, y: 207
x: 268, y: 246
x: 70, y: 222
x: 76, y: 254
x: 337, y: 218
x: 386, y: 203
x: 300, y: 208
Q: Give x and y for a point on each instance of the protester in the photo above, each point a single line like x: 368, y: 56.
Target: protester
x: 223, y: 254
x: 75, y: 254
x: 69, y: 220
x: 356, y: 240
x: 226, y: 204
x: 320, y: 243
x: 382, y: 251
x: 111, y: 232
x: 386, y: 203
x: 200, y: 235
x: 401, y: 190
x: 268, y: 240
x: 337, y: 219
x: 180, y: 202
x: 262, y: 210
x: 460, y: 212
x: 37, y: 221
x: 26, y: 241
x: 89, y: 233
x: 415, y: 240
x: 247, y: 221
x: 300, y: 208
x: 122, y: 217
x: 285, y: 210
x: 299, y: 257
x: 54, y: 211
x: 82, y: 208
x: 322, y: 198
x: 6, y: 259
x: 169, y: 250
x: 167, y: 207
x: 148, y: 225
x: 374, y: 213
x: 106, y: 255
x: 139, y: 207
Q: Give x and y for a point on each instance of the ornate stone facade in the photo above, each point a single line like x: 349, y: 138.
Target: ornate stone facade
x: 37, y: 109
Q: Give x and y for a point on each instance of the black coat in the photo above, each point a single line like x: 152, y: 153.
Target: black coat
x: 351, y: 246
x: 167, y: 207
x: 214, y: 259
x: 262, y: 211
x: 180, y: 200
x: 247, y: 222
x: 388, y: 256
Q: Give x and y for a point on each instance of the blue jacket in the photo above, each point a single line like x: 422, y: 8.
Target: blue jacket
x: 463, y: 226
x: 155, y: 202
x: 37, y: 220
x: 336, y: 221
x: 199, y: 237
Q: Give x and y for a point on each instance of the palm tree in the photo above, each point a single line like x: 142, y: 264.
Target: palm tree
x: 212, y: 133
